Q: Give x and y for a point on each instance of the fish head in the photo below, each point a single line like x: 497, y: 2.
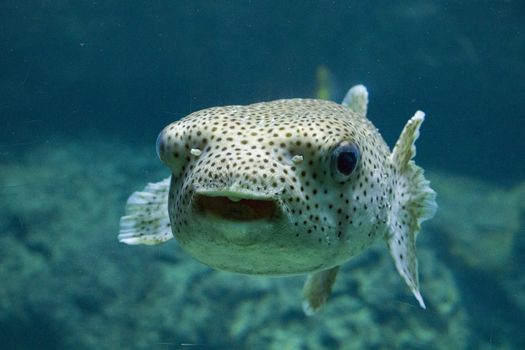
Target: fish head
x: 275, y: 188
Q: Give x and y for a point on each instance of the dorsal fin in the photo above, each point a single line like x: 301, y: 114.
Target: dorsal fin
x: 357, y: 99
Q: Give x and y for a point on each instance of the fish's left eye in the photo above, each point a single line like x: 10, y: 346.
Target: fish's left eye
x: 345, y: 159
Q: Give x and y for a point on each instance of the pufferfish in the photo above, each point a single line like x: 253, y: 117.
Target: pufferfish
x: 287, y: 187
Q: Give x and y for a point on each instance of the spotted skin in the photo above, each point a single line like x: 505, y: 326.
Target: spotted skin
x: 254, y: 190
x: 249, y: 149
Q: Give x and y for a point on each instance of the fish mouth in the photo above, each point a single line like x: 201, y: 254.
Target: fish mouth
x: 236, y: 206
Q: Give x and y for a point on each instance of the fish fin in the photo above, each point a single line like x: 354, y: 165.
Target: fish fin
x: 414, y: 202
x: 357, y: 99
x: 317, y: 288
x: 147, y: 219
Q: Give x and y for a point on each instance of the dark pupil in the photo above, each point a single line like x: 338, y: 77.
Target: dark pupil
x: 346, y: 162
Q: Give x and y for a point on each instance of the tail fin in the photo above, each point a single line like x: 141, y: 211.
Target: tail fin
x: 147, y: 219
x: 414, y: 203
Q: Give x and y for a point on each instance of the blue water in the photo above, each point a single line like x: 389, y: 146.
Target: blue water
x: 86, y: 87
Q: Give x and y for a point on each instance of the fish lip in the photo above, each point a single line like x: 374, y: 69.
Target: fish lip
x: 236, y: 206
x: 236, y: 194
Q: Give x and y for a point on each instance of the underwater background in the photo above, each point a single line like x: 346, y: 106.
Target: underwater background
x: 86, y: 87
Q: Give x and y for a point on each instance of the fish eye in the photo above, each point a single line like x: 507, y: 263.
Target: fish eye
x: 345, y: 158
x: 160, y: 145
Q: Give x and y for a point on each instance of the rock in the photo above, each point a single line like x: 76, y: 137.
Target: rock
x: 480, y: 221
x: 62, y: 268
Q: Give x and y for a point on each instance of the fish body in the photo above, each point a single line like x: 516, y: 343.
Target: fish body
x: 293, y: 186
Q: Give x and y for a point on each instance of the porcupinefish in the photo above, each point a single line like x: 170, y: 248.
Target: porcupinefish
x: 292, y: 186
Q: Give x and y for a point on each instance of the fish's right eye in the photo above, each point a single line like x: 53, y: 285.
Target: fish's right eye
x: 345, y: 159
x: 160, y: 145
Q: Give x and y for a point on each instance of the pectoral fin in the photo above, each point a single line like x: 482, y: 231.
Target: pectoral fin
x: 414, y: 202
x: 147, y: 219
